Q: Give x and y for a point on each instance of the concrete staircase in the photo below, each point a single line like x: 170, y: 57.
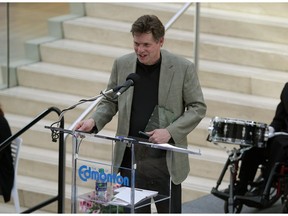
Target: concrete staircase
x: 242, y: 69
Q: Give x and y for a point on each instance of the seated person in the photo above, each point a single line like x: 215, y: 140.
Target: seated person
x: 276, y: 150
x: 6, y: 160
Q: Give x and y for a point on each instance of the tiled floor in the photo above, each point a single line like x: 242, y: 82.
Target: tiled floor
x: 210, y: 204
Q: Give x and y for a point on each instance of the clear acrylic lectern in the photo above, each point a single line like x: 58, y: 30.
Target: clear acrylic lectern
x: 121, y: 192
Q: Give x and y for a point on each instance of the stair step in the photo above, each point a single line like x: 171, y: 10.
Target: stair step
x: 81, y: 54
x: 194, y: 187
x: 253, y: 53
x: 241, y: 79
x: 119, y: 10
x: 8, y: 208
x: 277, y: 9
x: 34, y: 190
x: 209, y: 157
x: 241, y: 106
x: 65, y: 79
x: 213, y: 18
x: 36, y: 101
x: 243, y: 52
x: 223, y: 22
x: 98, y: 30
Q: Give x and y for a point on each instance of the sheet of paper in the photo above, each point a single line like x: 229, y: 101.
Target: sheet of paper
x: 124, y: 194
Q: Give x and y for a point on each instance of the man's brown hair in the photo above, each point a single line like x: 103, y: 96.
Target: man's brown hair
x: 149, y: 24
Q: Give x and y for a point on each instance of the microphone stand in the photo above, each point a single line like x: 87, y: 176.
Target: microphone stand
x: 130, y: 80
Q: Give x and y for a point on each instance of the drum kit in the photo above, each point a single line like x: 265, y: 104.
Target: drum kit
x: 243, y: 133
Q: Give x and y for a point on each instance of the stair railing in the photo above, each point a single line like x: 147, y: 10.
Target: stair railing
x: 60, y: 197
x: 177, y: 15
x: 196, y: 28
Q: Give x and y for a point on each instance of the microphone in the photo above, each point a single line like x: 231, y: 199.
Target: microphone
x: 130, y: 81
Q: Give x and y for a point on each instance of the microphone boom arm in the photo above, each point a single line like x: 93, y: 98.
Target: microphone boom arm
x: 102, y: 94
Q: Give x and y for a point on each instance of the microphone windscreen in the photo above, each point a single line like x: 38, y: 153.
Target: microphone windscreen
x: 134, y: 77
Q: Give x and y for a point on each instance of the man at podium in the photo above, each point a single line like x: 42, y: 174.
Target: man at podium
x: 165, y: 101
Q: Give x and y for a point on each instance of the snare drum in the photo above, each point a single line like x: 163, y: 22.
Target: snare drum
x: 236, y: 131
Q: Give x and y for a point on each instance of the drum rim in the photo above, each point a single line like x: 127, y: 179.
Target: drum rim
x: 240, y: 142
x: 241, y: 121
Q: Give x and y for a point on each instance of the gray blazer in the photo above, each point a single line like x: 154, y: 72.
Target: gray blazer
x: 179, y: 92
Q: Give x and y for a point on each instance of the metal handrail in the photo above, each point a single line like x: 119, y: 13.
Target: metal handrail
x: 196, y: 36
x: 196, y: 28
x: 60, y: 197
x: 177, y: 15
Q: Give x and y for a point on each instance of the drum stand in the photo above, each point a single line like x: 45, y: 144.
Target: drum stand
x: 232, y: 161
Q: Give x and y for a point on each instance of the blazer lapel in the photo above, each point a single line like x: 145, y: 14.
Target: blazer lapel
x: 166, y: 75
x: 130, y: 67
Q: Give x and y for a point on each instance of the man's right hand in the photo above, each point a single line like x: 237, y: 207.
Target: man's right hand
x: 85, y: 125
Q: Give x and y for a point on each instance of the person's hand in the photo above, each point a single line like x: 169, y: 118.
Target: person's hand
x: 85, y: 125
x: 271, y: 131
x: 159, y: 136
